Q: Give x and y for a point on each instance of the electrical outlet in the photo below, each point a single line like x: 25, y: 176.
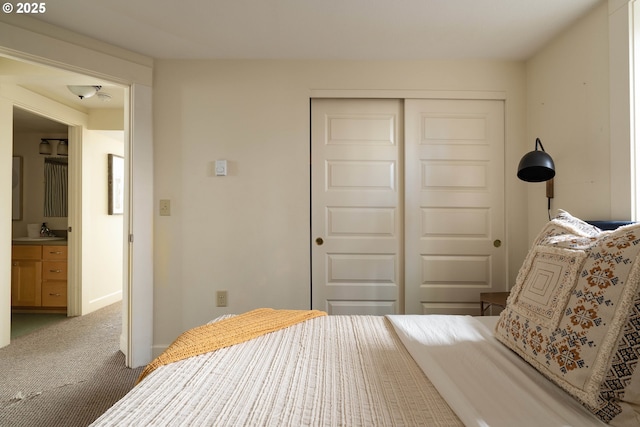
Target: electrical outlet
x: 165, y: 207
x: 221, y: 299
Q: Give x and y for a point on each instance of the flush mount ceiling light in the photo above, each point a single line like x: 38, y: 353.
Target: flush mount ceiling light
x: 104, y: 97
x: 83, y: 92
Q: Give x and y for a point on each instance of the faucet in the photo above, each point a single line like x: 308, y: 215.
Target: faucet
x: 44, y: 231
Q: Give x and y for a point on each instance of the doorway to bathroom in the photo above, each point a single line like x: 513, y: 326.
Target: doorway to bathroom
x: 80, y: 256
x: 39, y: 261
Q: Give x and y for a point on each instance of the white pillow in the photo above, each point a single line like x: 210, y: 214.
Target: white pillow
x: 574, y: 315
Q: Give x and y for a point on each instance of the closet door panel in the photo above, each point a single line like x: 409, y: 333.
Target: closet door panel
x: 454, y: 204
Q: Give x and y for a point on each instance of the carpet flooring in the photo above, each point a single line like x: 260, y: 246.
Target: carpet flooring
x: 65, y: 374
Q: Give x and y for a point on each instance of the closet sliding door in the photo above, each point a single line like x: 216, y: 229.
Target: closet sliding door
x: 454, y: 204
x: 357, y: 200
x: 407, y: 210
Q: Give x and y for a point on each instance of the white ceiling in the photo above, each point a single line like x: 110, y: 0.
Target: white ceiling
x: 294, y: 29
x: 25, y: 121
x: 52, y: 83
x: 321, y: 29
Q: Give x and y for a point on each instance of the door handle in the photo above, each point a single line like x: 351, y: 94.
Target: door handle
x: 319, y: 241
x: 497, y: 243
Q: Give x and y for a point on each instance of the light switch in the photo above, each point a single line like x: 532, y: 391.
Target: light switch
x: 221, y: 168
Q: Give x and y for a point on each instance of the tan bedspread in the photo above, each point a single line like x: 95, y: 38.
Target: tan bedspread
x: 327, y: 371
x: 234, y: 330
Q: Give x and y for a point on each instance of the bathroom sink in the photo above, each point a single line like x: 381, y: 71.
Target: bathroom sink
x: 36, y: 239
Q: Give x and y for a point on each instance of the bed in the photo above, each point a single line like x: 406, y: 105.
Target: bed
x: 563, y: 352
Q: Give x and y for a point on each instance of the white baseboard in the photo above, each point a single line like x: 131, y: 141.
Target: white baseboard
x: 156, y: 350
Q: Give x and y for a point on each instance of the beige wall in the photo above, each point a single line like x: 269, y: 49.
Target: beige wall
x: 102, y: 234
x: 248, y: 233
x: 568, y: 109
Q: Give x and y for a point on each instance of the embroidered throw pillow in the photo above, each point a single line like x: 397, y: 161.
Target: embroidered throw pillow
x: 574, y: 315
x: 549, y: 277
x: 568, y: 231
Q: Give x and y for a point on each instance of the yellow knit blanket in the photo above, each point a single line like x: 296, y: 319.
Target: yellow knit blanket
x: 227, y: 332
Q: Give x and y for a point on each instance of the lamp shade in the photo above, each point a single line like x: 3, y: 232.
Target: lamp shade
x: 63, y: 148
x: 45, y: 147
x: 536, y: 166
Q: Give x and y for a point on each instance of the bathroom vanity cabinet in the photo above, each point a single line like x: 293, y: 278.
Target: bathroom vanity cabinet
x: 39, y: 277
x: 26, y: 276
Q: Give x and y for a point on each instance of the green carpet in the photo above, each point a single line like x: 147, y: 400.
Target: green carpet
x: 22, y: 324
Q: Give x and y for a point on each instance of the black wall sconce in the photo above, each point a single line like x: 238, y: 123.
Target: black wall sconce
x: 538, y: 166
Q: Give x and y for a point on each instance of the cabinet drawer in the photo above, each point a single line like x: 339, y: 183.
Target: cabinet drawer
x: 54, y: 294
x: 54, y: 253
x: 54, y: 270
x: 26, y: 252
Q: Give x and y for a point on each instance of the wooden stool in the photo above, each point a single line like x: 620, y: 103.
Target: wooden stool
x: 488, y: 299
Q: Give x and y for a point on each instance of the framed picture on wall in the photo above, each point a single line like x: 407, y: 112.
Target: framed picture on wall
x: 16, y: 188
x: 116, y: 184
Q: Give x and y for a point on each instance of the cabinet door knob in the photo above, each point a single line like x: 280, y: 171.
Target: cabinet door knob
x: 55, y: 271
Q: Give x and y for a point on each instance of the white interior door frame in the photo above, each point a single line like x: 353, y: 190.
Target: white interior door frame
x: 74, y: 237
x: 44, y: 107
x: 137, y: 321
x: 39, y: 48
x: 407, y: 94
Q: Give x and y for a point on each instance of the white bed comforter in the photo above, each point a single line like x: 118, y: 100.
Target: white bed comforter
x: 328, y: 371
x: 485, y: 383
x: 354, y: 371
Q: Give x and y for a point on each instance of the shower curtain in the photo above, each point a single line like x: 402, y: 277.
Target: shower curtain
x: 55, y: 187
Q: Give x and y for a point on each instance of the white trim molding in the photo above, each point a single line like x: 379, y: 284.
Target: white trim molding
x: 408, y: 94
x: 623, y: 97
